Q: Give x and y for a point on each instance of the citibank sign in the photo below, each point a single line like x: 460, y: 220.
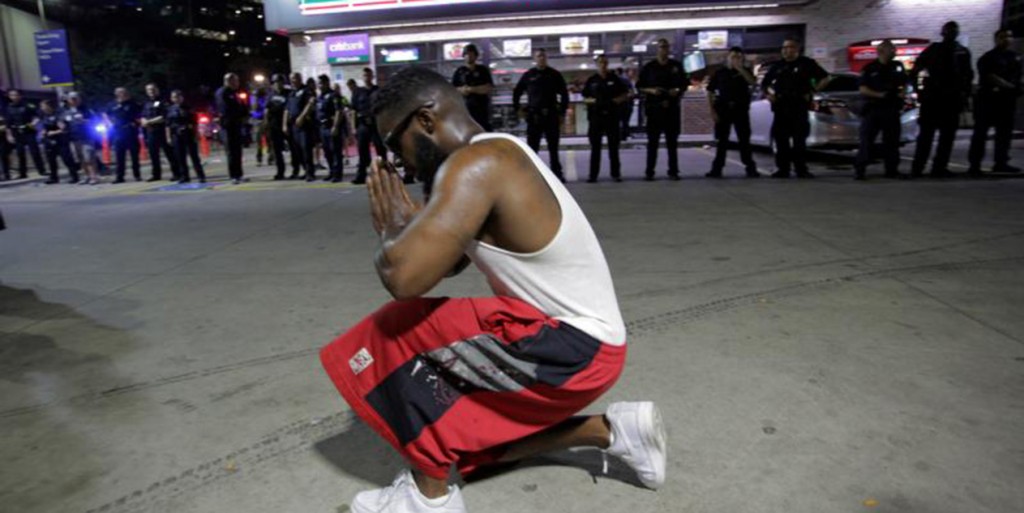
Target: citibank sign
x: 348, y: 48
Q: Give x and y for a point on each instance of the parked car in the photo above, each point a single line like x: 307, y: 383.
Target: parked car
x: 834, y: 120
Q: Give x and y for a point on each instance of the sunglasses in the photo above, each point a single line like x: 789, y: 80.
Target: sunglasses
x: 391, y: 141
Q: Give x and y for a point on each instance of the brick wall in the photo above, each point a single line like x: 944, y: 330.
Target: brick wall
x: 833, y: 24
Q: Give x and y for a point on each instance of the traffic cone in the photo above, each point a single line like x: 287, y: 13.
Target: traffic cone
x: 106, y: 149
x: 143, y: 151
x: 204, y: 145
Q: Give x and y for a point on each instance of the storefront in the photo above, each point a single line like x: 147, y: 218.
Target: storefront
x: 431, y: 33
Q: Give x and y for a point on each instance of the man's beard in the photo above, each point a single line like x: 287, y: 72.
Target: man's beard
x: 427, y: 160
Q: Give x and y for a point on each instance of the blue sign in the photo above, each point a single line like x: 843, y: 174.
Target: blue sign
x: 54, y: 59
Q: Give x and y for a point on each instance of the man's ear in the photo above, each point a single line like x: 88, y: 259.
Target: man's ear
x: 427, y: 119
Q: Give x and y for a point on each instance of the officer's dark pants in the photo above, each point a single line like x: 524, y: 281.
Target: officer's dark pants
x: 604, y: 127
x: 332, y: 145
x: 663, y: 121
x: 944, y: 117
x: 989, y: 113
x: 63, y: 150
x: 5, y: 161
x: 307, y: 139
x: 790, y: 128
x: 185, y: 147
x: 233, y: 142
x: 547, y: 126
x: 277, y: 141
x: 294, y: 140
x: 27, y: 139
x: 482, y: 118
x: 886, y: 121
x: 156, y: 142
x: 365, y: 134
x: 728, y: 119
x: 127, y: 143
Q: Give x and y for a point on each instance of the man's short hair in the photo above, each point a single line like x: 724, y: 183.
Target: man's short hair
x: 1002, y: 30
x: 539, y: 51
x: 736, y: 49
x: 278, y: 77
x: 887, y: 42
x: 351, y: 82
x: 177, y: 92
x: 368, y: 70
x: 323, y: 78
x: 409, y: 88
x: 471, y: 48
x: 951, y: 24
x: 152, y: 84
x: 793, y: 39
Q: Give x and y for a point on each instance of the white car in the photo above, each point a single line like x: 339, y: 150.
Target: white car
x: 834, y: 123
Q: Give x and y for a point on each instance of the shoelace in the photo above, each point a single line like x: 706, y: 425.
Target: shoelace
x: 399, y: 482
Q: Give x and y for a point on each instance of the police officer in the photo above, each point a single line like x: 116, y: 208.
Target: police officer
x: 883, y: 84
x: 234, y: 113
x: 154, y: 127
x: 80, y: 119
x: 57, y: 142
x: 366, y: 125
x: 626, y: 109
x: 273, y: 121
x: 999, y: 72
x: 330, y: 114
x: 123, y: 118
x: 604, y: 93
x: 298, y: 100
x: 548, y: 100
x: 729, y: 97
x: 5, y: 163
x: 257, y: 113
x: 22, y: 120
x: 942, y: 97
x: 181, y: 128
x: 663, y: 82
x: 790, y: 85
x: 475, y: 84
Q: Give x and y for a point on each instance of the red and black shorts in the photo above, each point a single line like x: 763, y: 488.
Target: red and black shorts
x: 450, y: 381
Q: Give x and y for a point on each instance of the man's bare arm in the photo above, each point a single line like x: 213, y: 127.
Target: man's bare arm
x: 414, y: 258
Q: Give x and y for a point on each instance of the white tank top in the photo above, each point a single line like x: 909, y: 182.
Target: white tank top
x: 568, y: 279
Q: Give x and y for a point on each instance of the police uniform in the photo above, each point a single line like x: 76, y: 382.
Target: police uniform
x: 234, y: 112
x: 277, y: 103
x: 547, y: 103
x: 366, y: 129
x: 793, y: 84
x: 300, y: 137
x: 156, y: 137
x: 662, y: 111
x: 124, y: 118
x: 181, y: 122
x: 328, y: 105
x: 5, y: 163
x: 732, y: 106
x: 881, y: 115
x: 57, y: 144
x: 20, y: 117
x: 479, y: 105
x: 603, y: 116
x: 943, y: 98
x: 996, y: 107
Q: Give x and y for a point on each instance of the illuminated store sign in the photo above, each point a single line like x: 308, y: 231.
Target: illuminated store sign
x: 309, y: 7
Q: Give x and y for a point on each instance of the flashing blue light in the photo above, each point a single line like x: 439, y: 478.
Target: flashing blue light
x: 100, y: 128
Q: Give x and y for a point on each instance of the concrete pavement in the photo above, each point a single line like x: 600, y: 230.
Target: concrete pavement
x: 815, y: 346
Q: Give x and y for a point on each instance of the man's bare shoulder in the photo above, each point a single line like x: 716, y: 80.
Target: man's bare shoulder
x: 486, y: 161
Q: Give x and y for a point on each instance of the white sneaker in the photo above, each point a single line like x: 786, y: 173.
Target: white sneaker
x: 638, y: 438
x: 403, y: 496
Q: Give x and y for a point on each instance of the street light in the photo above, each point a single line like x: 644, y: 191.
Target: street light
x: 231, y: 32
x: 259, y: 78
